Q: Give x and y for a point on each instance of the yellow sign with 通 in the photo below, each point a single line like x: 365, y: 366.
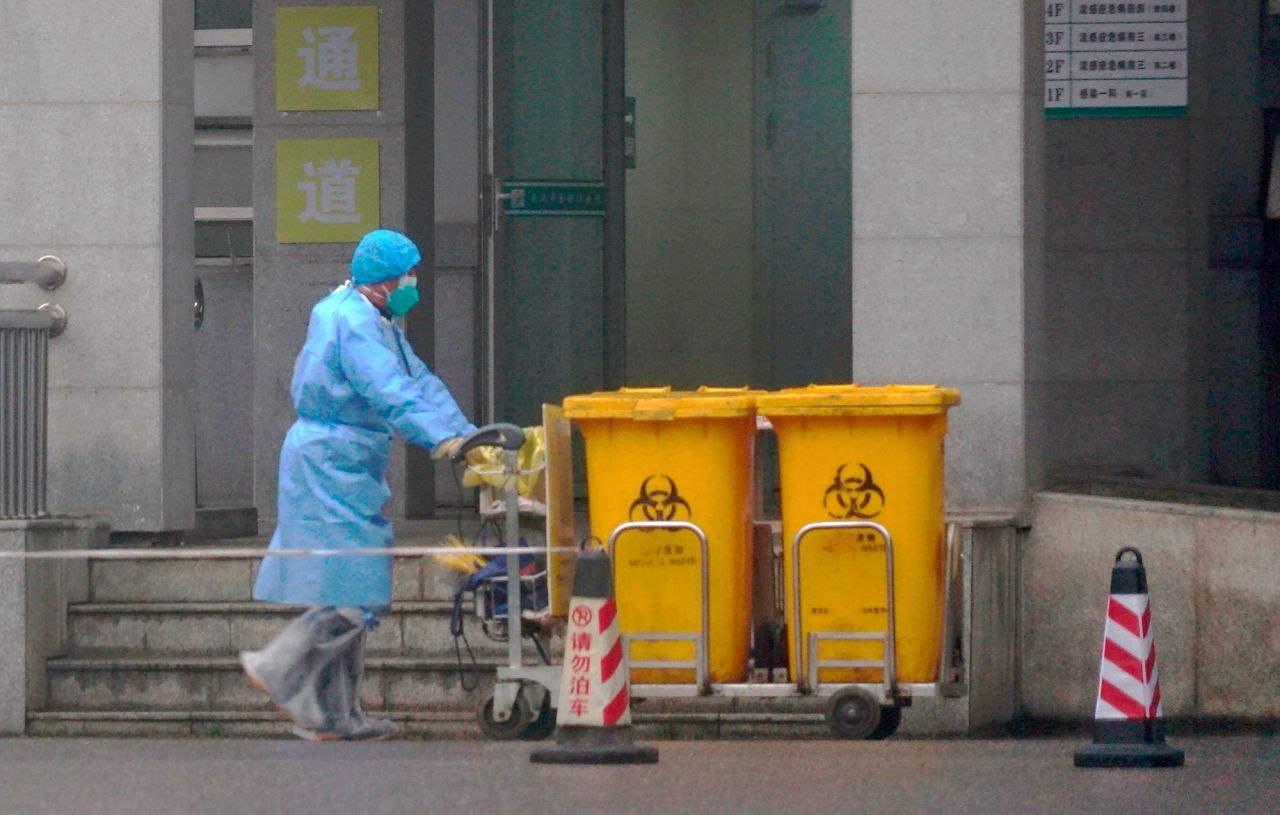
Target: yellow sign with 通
x: 326, y: 189
x: 327, y: 58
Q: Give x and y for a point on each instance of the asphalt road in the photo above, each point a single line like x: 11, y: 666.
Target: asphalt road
x: 1223, y: 774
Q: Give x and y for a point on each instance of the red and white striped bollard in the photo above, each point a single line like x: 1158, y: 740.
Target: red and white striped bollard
x: 593, y: 721
x: 1128, y: 719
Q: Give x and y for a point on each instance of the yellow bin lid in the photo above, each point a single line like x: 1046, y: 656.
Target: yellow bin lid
x: 856, y: 400
x: 662, y: 404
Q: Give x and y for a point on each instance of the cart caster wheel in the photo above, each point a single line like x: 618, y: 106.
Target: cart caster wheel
x: 543, y: 725
x: 890, y: 718
x: 512, y: 728
x: 854, y: 714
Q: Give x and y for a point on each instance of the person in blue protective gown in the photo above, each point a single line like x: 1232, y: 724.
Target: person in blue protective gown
x: 355, y: 383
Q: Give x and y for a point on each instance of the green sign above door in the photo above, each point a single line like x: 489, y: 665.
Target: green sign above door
x: 575, y: 199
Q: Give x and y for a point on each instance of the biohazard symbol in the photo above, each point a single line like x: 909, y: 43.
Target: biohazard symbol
x: 659, y: 501
x: 852, y: 496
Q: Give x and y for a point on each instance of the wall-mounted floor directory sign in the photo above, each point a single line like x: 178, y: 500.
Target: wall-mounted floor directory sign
x: 326, y: 190
x: 327, y: 58
x: 1115, y: 59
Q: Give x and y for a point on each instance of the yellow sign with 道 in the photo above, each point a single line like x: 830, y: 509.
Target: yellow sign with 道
x: 326, y: 190
x: 327, y: 58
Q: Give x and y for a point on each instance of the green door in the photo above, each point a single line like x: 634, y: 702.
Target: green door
x: 738, y: 270
x: 551, y: 303
x: 803, y: 188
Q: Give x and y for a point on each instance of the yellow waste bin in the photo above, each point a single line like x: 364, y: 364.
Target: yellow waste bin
x: 654, y: 454
x: 850, y: 453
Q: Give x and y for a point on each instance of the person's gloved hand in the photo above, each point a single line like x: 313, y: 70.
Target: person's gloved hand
x: 446, y: 448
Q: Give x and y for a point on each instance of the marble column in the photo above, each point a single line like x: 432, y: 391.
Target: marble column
x: 948, y: 228
x: 96, y: 141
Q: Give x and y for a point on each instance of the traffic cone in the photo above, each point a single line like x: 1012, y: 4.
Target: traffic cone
x: 1128, y: 724
x: 593, y: 723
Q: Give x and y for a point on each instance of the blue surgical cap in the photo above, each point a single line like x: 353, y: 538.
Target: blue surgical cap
x: 383, y: 255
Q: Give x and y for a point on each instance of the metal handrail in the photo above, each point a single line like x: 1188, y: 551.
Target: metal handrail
x: 48, y: 316
x: 24, y: 396
x: 704, y: 641
x: 890, y: 678
x: 49, y: 272
x: 698, y: 665
x: 816, y: 664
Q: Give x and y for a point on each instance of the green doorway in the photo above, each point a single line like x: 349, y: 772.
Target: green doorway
x: 666, y: 187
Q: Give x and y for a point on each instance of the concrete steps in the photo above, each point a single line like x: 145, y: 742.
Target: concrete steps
x: 190, y: 581
x: 153, y: 653
x: 686, y: 719
x: 206, y: 683
x: 415, y: 628
x: 227, y: 723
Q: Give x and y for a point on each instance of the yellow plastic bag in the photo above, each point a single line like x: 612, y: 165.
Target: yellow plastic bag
x: 458, y: 565
x: 531, y: 460
x: 463, y: 563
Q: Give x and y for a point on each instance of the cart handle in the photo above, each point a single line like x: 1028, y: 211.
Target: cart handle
x: 501, y: 434
x: 890, y: 660
x: 706, y: 614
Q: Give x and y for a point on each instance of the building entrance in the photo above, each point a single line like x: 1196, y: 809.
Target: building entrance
x: 666, y: 196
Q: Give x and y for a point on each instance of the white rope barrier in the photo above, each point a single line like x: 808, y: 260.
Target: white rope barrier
x: 181, y: 553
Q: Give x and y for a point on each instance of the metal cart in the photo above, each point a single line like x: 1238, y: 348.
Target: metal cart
x: 523, y: 699
x: 855, y: 711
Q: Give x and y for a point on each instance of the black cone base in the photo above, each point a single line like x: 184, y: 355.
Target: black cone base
x: 1129, y: 755
x: 595, y: 745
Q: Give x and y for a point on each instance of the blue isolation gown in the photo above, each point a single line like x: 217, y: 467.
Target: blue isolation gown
x: 355, y: 382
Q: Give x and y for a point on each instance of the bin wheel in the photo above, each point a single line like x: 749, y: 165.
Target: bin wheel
x: 512, y: 728
x: 543, y: 725
x: 890, y: 718
x: 854, y: 713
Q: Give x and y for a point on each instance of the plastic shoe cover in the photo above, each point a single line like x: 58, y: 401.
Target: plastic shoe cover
x: 313, y: 735
x: 367, y: 728
x: 305, y: 669
x: 362, y: 728
x: 251, y: 662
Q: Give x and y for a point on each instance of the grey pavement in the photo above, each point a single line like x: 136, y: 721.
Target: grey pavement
x: 1223, y: 774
